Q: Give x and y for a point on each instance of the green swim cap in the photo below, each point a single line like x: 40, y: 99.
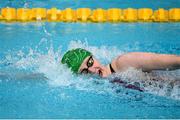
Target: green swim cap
x: 74, y: 58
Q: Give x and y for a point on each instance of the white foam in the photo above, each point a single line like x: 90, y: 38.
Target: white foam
x: 48, y: 64
x: 163, y: 83
x: 103, y: 53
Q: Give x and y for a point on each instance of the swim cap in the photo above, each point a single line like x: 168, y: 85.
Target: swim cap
x: 74, y: 58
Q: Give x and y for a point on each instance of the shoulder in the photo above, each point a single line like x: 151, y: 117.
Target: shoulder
x: 134, y: 55
x: 126, y: 60
x: 127, y: 56
x: 118, y: 62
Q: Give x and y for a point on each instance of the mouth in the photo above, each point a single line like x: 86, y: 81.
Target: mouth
x: 100, y: 73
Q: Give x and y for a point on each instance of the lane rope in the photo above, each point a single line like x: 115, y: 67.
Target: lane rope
x: 89, y: 15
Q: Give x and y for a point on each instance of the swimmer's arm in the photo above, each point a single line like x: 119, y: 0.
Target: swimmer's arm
x: 148, y: 61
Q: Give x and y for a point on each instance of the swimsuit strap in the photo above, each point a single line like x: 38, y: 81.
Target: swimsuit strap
x: 112, y: 70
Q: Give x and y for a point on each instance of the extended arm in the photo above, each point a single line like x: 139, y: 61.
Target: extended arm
x: 148, y: 61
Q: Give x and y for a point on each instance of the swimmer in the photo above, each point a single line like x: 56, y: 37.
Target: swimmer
x: 81, y: 61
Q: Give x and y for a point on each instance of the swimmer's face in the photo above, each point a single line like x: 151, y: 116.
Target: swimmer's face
x: 91, y: 65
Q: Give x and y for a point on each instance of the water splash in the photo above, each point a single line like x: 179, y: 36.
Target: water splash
x: 47, y: 66
x: 163, y: 83
x: 103, y: 53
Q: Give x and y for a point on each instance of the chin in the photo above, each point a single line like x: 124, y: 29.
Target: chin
x: 100, y: 73
x: 104, y: 76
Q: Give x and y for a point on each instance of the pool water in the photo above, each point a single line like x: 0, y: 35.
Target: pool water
x: 154, y: 4
x: 33, y: 83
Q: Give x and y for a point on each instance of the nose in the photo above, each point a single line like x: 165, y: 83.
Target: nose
x: 93, y: 69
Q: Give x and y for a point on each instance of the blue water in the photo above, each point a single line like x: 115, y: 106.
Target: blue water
x: 62, y: 4
x: 33, y: 83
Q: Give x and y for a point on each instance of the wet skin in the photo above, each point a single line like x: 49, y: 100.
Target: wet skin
x: 139, y: 60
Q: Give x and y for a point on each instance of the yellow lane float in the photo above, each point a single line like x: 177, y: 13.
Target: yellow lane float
x: 87, y: 14
x: 161, y: 15
x: 23, y: 14
x: 8, y: 14
x: 54, y: 14
x: 83, y: 14
x: 1, y: 17
x: 174, y: 14
x: 114, y: 15
x: 37, y: 14
x: 69, y: 15
x: 130, y: 15
x: 145, y: 14
x: 98, y: 15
